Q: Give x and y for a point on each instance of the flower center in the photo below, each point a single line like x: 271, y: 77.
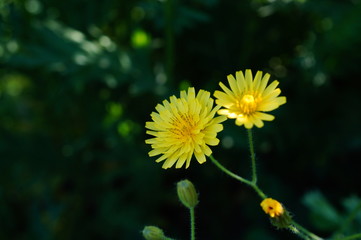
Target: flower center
x: 248, y: 98
x: 183, y: 127
x: 248, y: 104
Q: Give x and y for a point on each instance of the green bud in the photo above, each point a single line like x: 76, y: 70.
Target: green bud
x: 153, y: 233
x: 187, y: 193
x: 282, y: 221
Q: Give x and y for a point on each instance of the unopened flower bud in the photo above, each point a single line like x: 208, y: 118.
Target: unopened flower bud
x: 280, y: 217
x: 187, y: 193
x: 272, y: 207
x: 153, y: 233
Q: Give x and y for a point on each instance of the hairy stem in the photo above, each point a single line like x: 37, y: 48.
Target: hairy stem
x: 193, y: 227
x: 252, y: 184
x: 307, y: 235
x: 253, y: 155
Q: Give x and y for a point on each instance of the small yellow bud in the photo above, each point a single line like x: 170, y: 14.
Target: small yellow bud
x: 187, y: 193
x: 280, y: 217
x: 153, y: 233
x: 272, y: 207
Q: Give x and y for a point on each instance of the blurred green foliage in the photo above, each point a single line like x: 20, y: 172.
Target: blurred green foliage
x: 325, y: 217
x: 78, y: 80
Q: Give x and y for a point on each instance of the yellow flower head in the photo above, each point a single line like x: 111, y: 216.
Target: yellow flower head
x: 184, y: 126
x: 272, y: 207
x: 249, y: 98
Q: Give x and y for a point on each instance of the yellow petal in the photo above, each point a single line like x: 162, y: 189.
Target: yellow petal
x: 263, y: 84
x: 241, y: 82
x: 189, y: 157
x: 240, y: 120
x: 233, y: 84
x: 153, y: 133
x: 197, y: 148
x: 214, y: 128
x: 219, y: 119
x: 155, y: 152
x: 224, y: 99
x: 207, y: 151
x: 169, y: 163
x: 181, y: 160
x: 249, y: 79
x: 257, y: 80
x: 161, y: 158
x: 204, y: 97
x: 268, y: 106
x: 258, y: 122
x: 264, y: 116
x: 271, y: 95
x: 151, y: 141
x: 212, y: 141
x: 223, y: 112
x: 226, y: 90
x: 248, y: 124
x: 281, y: 100
x: 270, y: 88
x: 200, y: 157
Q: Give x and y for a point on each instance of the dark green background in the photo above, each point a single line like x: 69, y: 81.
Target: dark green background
x: 79, y: 79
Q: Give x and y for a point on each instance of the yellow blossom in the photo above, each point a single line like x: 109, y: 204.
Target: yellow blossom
x: 248, y: 98
x: 183, y: 127
x: 272, y: 207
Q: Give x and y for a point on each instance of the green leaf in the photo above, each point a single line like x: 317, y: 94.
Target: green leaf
x: 322, y: 214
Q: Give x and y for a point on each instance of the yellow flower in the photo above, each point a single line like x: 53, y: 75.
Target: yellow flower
x: 249, y: 98
x: 272, y: 207
x: 184, y: 126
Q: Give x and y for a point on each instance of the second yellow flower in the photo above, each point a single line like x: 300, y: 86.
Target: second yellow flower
x: 249, y: 98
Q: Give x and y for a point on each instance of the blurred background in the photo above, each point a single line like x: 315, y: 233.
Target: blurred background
x: 79, y: 79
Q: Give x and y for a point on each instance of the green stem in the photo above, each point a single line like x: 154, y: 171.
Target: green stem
x: 295, y: 227
x: 298, y: 232
x: 239, y: 178
x: 355, y: 236
x: 193, y: 228
x: 258, y: 190
x: 253, y: 156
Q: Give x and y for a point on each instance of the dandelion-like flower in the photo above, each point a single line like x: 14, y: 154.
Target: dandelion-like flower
x: 184, y: 127
x: 249, y: 98
x: 272, y: 207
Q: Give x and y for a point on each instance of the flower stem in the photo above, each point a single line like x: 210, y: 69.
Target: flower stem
x: 298, y: 232
x: 239, y: 178
x: 193, y: 231
x: 294, y: 227
x: 253, y: 155
x: 355, y: 236
x: 303, y: 232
